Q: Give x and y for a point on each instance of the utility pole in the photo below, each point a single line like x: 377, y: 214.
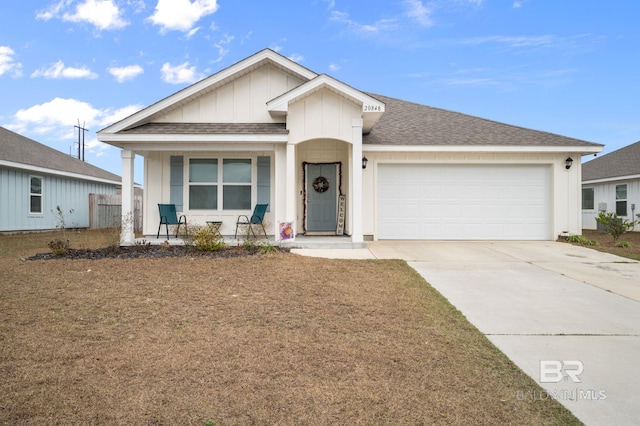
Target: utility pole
x: 81, y: 132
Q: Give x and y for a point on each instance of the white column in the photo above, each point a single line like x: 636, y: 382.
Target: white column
x: 291, y: 196
x: 127, y: 236
x: 280, y: 185
x: 355, y: 199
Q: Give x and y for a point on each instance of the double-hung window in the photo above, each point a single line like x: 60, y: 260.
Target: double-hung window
x: 621, y: 200
x: 225, y: 183
x: 236, y: 178
x: 35, y: 195
x: 587, y: 199
x: 203, y: 184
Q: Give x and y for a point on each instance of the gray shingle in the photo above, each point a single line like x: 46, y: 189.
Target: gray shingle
x: 19, y: 149
x: 407, y: 123
x: 622, y: 162
x: 210, y: 128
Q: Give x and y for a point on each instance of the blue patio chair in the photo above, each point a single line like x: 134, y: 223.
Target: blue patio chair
x: 169, y: 216
x: 257, y: 218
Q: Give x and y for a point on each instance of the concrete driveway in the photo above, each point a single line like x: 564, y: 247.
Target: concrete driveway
x: 568, y: 316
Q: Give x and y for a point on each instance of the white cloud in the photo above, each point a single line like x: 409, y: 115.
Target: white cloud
x: 54, y: 121
x: 181, y: 15
x: 180, y: 74
x: 334, y: 67
x: 103, y: 14
x: 222, y: 46
x: 517, y: 41
x: 378, y: 27
x: 296, y: 57
x: 55, y: 118
x: 7, y: 62
x: 419, y: 12
x: 127, y: 73
x: 58, y: 70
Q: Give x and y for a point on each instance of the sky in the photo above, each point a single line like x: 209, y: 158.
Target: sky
x: 570, y: 67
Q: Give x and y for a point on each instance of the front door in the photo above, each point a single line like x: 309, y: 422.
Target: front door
x: 321, y: 201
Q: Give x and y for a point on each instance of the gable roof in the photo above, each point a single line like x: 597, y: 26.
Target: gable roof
x: 21, y: 152
x: 208, y: 84
x: 408, y: 123
x: 372, y: 109
x: 622, y: 163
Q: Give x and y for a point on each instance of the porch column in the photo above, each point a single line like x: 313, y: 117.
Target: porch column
x: 290, y: 209
x: 127, y: 236
x: 279, y: 207
x: 355, y: 200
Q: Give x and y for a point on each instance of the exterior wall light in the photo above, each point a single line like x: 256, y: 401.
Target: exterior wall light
x: 364, y: 162
x: 568, y: 162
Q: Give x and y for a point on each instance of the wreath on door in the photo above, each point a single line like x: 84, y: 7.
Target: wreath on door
x: 320, y: 184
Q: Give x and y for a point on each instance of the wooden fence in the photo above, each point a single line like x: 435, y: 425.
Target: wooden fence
x: 105, y: 211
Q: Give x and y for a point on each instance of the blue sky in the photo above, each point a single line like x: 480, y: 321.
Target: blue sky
x: 568, y: 67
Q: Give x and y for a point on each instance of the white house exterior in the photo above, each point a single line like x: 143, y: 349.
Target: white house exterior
x: 35, y: 179
x: 611, y: 183
x: 269, y: 130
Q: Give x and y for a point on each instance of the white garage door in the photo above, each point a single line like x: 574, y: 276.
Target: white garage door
x: 464, y: 202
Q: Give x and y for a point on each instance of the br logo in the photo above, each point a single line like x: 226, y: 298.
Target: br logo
x: 552, y: 371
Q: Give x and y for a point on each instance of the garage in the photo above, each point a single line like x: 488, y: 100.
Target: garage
x: 464, y: 202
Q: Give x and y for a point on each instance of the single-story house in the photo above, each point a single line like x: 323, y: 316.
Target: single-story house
x: 331, y: 159
x: 35, y: 179
x: 611, y: 183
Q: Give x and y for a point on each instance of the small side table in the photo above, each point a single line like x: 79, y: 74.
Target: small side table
x: 216, y: 226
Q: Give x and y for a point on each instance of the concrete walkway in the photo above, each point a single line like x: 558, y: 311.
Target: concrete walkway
x: 550, y: 307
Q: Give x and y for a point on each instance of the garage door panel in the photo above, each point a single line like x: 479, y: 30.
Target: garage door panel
x: 464, y: 202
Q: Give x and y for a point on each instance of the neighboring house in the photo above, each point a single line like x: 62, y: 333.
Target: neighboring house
x: 36, y: 179
x: 329, y: 159
x: 611, y: 183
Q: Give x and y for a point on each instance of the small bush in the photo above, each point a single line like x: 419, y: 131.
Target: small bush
x: 205, y: 238
x: 615, y: 225
x: 623, y: 244
x: 58, y: 247
x: 579, y: 239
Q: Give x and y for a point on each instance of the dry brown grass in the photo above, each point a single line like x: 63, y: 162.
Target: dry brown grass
x: 270, y: 339
x: 604, y: 242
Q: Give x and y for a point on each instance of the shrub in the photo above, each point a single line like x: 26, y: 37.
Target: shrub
x: 623, y: 244
x: 615, y: 225
x: 579, y: 239
x: 205, y: 238
x: 58, y: 247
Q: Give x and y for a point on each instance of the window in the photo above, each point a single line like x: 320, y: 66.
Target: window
x: 621, y: 200
x: 223, y: 183
x: 236, y: 178
x: 35, y: 195
x: 587, y: 199
x: 203, y: 188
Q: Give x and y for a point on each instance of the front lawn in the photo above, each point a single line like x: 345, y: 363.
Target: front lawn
x: 263, y: 339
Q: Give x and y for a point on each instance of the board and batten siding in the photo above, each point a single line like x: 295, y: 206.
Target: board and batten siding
x: 56, y: 191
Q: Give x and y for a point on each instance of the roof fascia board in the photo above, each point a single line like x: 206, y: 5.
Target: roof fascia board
x: 185, y: 138
x: 481, y: 148
x: 281, y: 103
x: 37, y: 169
x: 145, y: 149
x: 266, y: 54
x: 610, y: 179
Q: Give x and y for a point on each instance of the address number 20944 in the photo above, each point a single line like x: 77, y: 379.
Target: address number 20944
x: 372, y: 108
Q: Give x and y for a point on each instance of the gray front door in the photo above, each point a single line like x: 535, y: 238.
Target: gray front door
x: 321, y: 188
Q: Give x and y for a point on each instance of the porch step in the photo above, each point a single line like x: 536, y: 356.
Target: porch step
x: 323, y: 243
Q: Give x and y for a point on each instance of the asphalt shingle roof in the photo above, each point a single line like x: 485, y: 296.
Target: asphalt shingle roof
x: 16, y: 148
x: 408, y: 123
x: 210, y: 128
x: 622, y: 162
